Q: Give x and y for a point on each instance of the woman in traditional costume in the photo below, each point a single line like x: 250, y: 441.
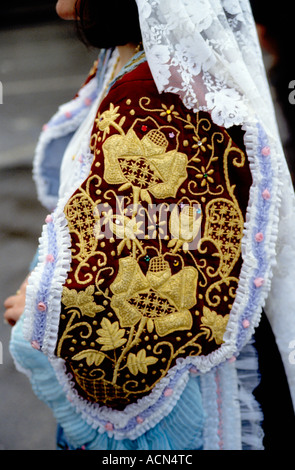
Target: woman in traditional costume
x: 167, y: 257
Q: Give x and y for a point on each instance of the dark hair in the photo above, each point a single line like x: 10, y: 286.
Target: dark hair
x: 108, y: 23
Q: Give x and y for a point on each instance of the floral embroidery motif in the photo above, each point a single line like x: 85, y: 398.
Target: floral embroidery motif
x: 157, y: 300
x: 144, y: 164
x: 146, y: 279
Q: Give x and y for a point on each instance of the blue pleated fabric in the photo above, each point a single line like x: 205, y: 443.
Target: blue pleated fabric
x: 182, y: 429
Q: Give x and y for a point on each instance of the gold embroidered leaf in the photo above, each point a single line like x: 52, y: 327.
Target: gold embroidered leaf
x: 91, y: 356
x: 82, y: 300
x: 139, y: 363
x: 110, y: 336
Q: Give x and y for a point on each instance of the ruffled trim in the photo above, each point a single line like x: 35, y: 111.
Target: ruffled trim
x: 67, y: 119
x: 43, y: 305
x: 261, y: 231
x: 136, y: 418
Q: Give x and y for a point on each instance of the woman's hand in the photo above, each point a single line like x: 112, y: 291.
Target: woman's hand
x: 15, y: 305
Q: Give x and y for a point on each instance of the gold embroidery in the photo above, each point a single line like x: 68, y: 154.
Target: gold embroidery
x: 158, y: 299
x: 110, y: 336
x: 224, y: 226
x: 83, y: 301
x: 215, y: 324
x: 140, y: 362
x: 144, y: 164
x: 155, y: 300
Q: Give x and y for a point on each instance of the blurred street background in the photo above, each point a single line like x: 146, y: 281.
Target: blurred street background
x: 42, y: 64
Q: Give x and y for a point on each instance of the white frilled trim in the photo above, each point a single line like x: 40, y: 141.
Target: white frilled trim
x: 33, y: 281
x: 63, y: 244
x: 40, y: 281
x: 136, y: 418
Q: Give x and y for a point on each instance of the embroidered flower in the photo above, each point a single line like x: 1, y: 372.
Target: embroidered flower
x: 184, y: 226
x: 199, y: 143
x: 82, y: 301
x: 156, y: 299
x: 125, y: 228
x: 157, y: 227
x: 144, y: 164
x: 205, y: 176
x: 215, y: 324
x: 107, y: 118
x: 168, y: 112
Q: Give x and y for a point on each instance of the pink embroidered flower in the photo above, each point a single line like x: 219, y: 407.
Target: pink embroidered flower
x: 49, y: 258
x: 193, y: 371
x: 109, y: 427
x: 139, y: 419
x: 48, y: 219
x: 265, y: 151
x: 68, y: 114
x: 41, y: 307
x: 168, y: 392
x: 266, y: 194
x: 259, y: 237
x: 246, y: 323
x: 259, y: 281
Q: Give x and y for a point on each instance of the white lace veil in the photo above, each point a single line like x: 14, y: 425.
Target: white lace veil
x: 207, y: 52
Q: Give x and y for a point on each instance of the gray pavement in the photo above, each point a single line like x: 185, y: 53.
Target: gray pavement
x: 41, y: 66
